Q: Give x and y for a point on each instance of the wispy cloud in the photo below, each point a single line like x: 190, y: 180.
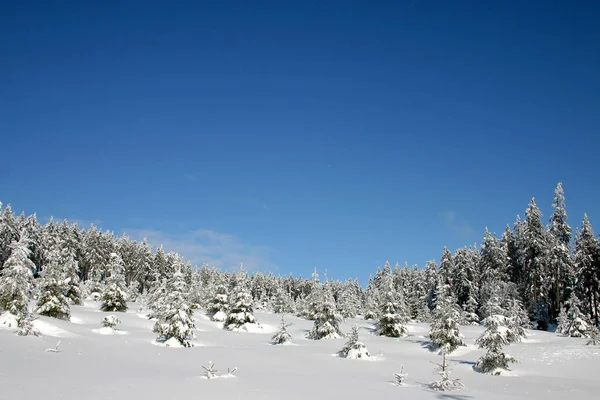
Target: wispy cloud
x: 458, y: 226
x: 204, y: 246
x: 190, y: 177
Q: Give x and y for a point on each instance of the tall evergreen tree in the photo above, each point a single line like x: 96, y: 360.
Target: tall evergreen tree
x: 561, y: 262
x: 16, y: 279
x: 114, y: 297
x: 587, y: 265
x: 536, y: 263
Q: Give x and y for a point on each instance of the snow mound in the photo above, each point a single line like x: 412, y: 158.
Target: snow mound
x: 358, y: 354
x: 51, y: 330
x: 109, y: 331
x: 8, y: 321
x: 255, y: 328
x: 174, y: 343
x: 77, y: 321
x: 219, y: 316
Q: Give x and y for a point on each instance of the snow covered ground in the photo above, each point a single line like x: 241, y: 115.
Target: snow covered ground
x: 131, y: 366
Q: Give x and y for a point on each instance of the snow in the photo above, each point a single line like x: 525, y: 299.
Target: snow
x: 109, y: 331
x: 95, y: 366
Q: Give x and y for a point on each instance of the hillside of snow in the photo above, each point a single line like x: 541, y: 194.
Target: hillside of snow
x: 126, y: 363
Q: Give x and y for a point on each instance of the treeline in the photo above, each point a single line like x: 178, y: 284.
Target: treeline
x: 532, y: 269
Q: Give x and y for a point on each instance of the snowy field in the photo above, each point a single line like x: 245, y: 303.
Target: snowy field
x: 97, y: 363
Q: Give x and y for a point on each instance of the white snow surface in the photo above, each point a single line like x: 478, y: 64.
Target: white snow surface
x: 92, y: 366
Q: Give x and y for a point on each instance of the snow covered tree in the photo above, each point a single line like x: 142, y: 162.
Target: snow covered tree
x: 240, y: 313
x: 219, y: 305
x: 354, y: 348
x: 114, y: 298
x: 496, y: 335
x: 175, y: 319
x: 444, y: 332
x: 53, y: 286
x: 110, y: 321
x: 587, y: 264
x: 430, y: 282
x: 282, y: 336
x: 371, y: 296
x: 283, y: 302
x: 350, y: 299
x: 327, y: 320
x: 572, y: 322
x: 536, y: 264
x: 561, y: 263
x: 445, y: 383
x: 16, y: 280
x: 392, y: 317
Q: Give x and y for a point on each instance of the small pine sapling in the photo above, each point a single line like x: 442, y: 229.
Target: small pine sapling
x: 282, y: 336
x: 110, y: 321
x: 400, y: 376
x: 445, y: 383
x: 210, y: 371
x: 353, y: 348
x: 54, y: 349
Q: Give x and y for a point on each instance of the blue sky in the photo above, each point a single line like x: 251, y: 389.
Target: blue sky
x: 286, y: 135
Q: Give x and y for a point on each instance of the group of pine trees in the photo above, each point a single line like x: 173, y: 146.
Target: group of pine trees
x: 534, y: 274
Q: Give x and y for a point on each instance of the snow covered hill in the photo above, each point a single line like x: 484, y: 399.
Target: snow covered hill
x: 95, y: 363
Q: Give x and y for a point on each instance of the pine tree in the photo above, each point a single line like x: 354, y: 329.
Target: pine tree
x: 16, y: 280
x: 240, y: 313
x: 496, y: 335
x: 354, y: 348
x: 536, y: 263
x: 561, y: 263
x: 445, y: 383
x: 327, y: 320
x: 587, y: 264
x: 282, y: 336
x: 444, y: 332
x: 115, y: 292
x: 175, y: 320
x: 53, y: 301
x: 393, y: 315
x: 572, y: 322
x: 218, y: 306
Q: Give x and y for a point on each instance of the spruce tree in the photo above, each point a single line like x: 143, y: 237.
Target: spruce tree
x: 354, y: 348
x: 561, y: 263
x: 587, y: 264
x: 282, y: 336
x: 572, y: 322
x: 326, y: 320
x: 16, y: 280
x: 175, y: 320
x: 496, y: 335
x: 392, y: 317
x: 53, y: 301
x: 218, y: 306
x: 114, y: 297
x: 240, y: 312
x: 444, y: 332
x: 536, y: 264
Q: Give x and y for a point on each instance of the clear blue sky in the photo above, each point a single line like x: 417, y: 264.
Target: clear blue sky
x: 289, y: 134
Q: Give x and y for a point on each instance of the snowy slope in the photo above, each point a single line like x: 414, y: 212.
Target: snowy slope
x: 96, y: 365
